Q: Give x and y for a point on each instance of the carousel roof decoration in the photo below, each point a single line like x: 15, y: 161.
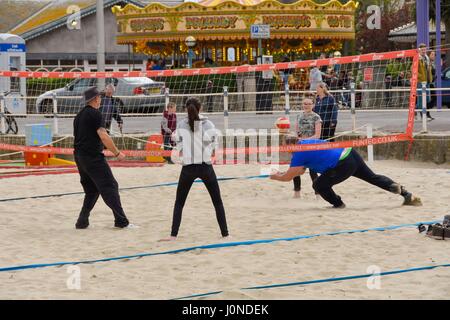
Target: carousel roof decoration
x: 213, y: 3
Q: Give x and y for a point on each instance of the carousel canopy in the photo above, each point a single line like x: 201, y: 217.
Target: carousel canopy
x: 231, y: 20
x: 213, y: 3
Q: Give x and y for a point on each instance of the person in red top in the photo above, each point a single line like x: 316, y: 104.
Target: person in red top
x: 168, y: 126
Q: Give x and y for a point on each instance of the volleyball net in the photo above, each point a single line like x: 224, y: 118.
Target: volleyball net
x: 244, y: 102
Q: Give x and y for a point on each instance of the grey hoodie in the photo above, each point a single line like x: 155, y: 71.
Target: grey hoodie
x: 198, y: 146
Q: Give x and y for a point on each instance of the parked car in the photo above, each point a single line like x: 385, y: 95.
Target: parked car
x: 139, y: 94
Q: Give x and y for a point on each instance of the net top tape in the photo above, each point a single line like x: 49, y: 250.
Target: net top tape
x: 226, y: 151
x: 211, y: 71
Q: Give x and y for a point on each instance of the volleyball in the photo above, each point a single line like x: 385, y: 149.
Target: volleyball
x: 283, y: 123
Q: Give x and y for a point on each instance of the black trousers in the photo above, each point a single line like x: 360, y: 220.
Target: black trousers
x: 327, y: 131
x: 188, y: 174
x: 97, y: 179
x: 298, y: 182
x: 168, y: 144
x: 354, y: 166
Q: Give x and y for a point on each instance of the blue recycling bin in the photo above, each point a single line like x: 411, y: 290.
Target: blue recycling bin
x: 38, y: 134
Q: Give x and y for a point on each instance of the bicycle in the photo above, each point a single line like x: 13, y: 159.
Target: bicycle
x: 10, y: 121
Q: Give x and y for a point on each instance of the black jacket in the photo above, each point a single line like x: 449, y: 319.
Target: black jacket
x: 109, y: 112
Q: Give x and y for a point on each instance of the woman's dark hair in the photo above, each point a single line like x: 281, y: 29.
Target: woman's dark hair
x: 193, y: 106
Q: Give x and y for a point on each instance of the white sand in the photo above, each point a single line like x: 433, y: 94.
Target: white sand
x: 42, y: 231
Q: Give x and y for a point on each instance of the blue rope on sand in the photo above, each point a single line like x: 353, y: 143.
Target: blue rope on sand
x: 212, y: 246
x: 167, y: 184
x: 303, y: 283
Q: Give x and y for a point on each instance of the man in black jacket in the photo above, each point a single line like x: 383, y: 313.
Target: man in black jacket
x: 96, y: 177
x: 110, y: 109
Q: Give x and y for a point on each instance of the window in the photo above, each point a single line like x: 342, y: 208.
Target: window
x: 33, y: 62
x: 14, y: 82
x: 50, y: 62
x: 67, y: 62
x: 113, y: 81
x: 447, y: 74
x: 231, y: 54
x: 83, y: 83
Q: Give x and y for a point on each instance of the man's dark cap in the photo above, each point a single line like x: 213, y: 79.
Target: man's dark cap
x: 90, y: 94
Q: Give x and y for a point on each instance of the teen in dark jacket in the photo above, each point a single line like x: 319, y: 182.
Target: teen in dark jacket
x: 327, y: 110
x: 109, y: 108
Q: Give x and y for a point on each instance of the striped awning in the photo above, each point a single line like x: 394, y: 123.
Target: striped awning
x: 408, y: 32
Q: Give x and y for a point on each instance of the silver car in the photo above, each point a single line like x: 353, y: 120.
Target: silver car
x: 139, y: 94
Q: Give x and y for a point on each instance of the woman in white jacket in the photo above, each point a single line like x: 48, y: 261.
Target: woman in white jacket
x: 196, y: 139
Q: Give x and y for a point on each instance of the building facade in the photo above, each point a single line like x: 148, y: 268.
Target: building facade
x: 61, y: 35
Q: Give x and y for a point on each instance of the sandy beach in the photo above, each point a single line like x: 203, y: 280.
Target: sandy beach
x: 42, y: 231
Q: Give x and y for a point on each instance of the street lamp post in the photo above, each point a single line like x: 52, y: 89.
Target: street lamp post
x: 190, y: 43
x: 438, y: 54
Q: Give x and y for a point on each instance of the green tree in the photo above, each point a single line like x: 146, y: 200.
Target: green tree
x: 393, y: 14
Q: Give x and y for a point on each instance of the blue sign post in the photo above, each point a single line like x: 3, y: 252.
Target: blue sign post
x: 13, y: 58
x: 260, y: 31
x: 422, y: 22
x: 438, y: 54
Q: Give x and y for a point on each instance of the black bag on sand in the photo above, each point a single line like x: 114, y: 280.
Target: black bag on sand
x: 438, y: 231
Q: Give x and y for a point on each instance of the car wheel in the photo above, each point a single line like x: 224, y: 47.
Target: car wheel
x: 47, y: 108
x: 12, y: 125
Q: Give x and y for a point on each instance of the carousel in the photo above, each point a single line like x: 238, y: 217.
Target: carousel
x: 218, y: 32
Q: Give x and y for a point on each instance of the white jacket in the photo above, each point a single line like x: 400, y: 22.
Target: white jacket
x: 198, y: 146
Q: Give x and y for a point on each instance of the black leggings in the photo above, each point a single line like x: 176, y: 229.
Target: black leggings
x: 298, y: 181
x: 188, y: 174
x: 354, y: 166
x: 97, y: 179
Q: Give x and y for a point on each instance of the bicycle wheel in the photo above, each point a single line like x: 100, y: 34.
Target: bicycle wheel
x: 12, y: 125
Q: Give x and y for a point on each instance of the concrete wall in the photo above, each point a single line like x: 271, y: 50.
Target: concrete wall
x: 84, y: 40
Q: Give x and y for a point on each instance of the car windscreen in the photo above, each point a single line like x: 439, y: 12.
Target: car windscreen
x: 140, y: 80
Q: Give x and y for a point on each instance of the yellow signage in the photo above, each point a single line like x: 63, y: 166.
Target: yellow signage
x: 339, y: 21
x: 217, y: 22
x: 293, y: 22
x: 139, y: 25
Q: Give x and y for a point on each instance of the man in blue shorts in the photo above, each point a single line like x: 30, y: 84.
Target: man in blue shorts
x: 336, y: 166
